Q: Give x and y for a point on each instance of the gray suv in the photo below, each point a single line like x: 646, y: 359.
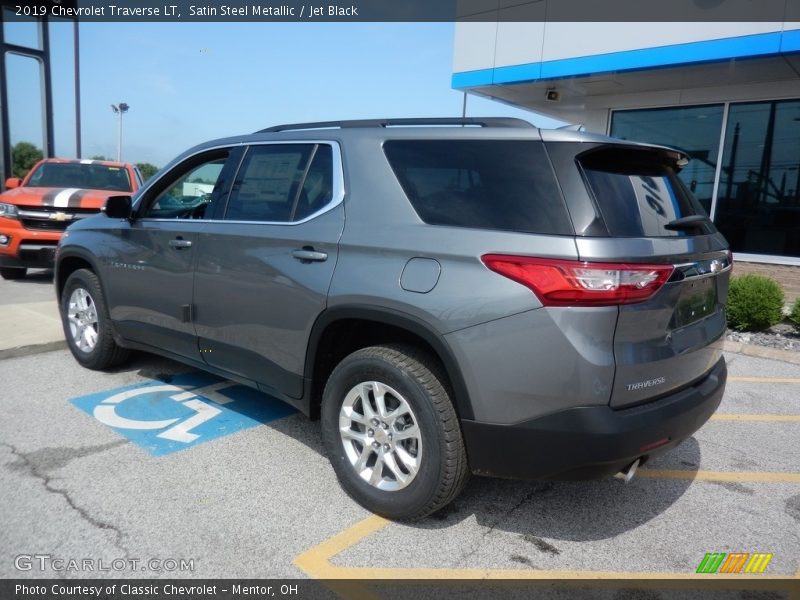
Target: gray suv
x: 449, y: 296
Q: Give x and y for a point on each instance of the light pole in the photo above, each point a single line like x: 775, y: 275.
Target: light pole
x: 119, y: 109
x: 76, y: 54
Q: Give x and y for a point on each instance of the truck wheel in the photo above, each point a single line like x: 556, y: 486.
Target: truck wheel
x: 86, y: 323
x: 391, y: 432
x: 12, y: 272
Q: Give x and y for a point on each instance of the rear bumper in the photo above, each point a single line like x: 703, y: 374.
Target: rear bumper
x: 592, y: 441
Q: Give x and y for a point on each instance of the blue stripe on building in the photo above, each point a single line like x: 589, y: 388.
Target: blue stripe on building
x: 762, y: 44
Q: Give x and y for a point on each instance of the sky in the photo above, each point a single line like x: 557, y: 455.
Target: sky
x: 187, y: 83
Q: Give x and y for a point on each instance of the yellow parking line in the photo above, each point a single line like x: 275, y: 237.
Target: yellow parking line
x: 795, y: 593
x: 315, y: 562
x: 765, y: 379
x: 393, y: 573
x: 767, y: 418
x: 741, y: 476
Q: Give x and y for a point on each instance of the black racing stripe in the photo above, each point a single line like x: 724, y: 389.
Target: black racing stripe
x: 50, y: 197
x: 75, y: 199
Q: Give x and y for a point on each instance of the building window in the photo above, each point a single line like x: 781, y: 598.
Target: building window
x: 758, y: 202
x: 694, y: 129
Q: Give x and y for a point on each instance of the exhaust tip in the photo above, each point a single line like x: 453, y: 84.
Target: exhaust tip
x: 628, y: 472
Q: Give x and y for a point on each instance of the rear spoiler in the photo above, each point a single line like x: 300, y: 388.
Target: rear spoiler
x: 677, y: 159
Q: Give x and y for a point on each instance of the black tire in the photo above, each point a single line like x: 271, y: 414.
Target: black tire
x: 443, y: 469
x: 105, y: 353
x: 13, y: 272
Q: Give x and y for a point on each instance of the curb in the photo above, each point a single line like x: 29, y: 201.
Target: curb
x: 761, y: 352
x: 32, y: 349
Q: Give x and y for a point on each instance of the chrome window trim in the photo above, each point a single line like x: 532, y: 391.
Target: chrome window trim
x: 163, y: 172
x: 336, y: 199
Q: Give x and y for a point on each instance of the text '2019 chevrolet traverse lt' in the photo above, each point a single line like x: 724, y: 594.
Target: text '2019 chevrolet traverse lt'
x: 476, y: 297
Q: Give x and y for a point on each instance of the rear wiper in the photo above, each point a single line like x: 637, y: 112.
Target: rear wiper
x: 690, y: 222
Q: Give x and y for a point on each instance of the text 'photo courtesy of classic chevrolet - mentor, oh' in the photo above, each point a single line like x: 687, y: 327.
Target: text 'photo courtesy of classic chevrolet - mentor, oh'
x: 448, y: 296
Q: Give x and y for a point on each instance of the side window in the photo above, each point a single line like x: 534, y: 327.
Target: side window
x: 317, y: 190
x: 268, y: 183
x: 191, y: 191
x: 505, y: 185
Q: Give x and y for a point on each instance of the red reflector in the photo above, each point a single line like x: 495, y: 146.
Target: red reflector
x: 578, y: 283
x: 654, y: 445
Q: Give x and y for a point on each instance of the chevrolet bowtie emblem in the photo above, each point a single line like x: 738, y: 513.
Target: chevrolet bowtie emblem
x: 59, y: 216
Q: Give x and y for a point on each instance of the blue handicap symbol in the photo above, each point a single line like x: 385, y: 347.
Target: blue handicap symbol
x: 190, y: 409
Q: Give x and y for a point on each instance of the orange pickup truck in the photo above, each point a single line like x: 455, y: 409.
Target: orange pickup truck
x: 35, y: 211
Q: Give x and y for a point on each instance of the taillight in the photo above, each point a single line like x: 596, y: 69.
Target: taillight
x: 578, y: 283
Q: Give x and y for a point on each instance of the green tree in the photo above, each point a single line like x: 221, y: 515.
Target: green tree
x: 23, y: 156
x: 100, y: 157
x: 147, y: 170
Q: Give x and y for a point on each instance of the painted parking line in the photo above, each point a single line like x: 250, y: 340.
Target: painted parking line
x: 789, y: 380
x: 737, y: 476
x: 316, y: 562
x: 764, y: 418
x: 190, y: 409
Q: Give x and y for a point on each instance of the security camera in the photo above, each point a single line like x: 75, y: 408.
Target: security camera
x: 552, y: 95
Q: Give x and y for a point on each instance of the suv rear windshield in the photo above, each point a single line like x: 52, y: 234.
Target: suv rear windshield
x: 638, y: 192
x: 483, y: 184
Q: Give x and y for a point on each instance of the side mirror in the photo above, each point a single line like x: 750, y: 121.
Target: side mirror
x: 13, y: 182
x: 118, y: 207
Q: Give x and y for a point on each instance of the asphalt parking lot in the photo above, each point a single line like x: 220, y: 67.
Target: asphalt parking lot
x: 133, y: 465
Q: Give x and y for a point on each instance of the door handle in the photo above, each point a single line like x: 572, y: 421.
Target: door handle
x: 179, y: 243
x: 308, y: 254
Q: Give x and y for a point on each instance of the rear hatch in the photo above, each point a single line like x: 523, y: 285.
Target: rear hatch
x: 667, y: 341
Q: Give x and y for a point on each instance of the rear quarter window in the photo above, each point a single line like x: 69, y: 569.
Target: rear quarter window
x: 481, y: 184
x: 637, y: 192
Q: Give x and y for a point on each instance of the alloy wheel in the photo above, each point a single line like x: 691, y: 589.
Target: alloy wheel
x: 82, y: 317
x: 380, y: 435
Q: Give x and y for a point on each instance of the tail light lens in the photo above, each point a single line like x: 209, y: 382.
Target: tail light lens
x: 577, y: 283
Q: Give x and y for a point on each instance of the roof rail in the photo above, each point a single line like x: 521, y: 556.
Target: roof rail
x: 573, y: 127
x: 427, y: 122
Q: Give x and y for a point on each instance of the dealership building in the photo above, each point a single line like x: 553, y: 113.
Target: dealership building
x: 727, y: 93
